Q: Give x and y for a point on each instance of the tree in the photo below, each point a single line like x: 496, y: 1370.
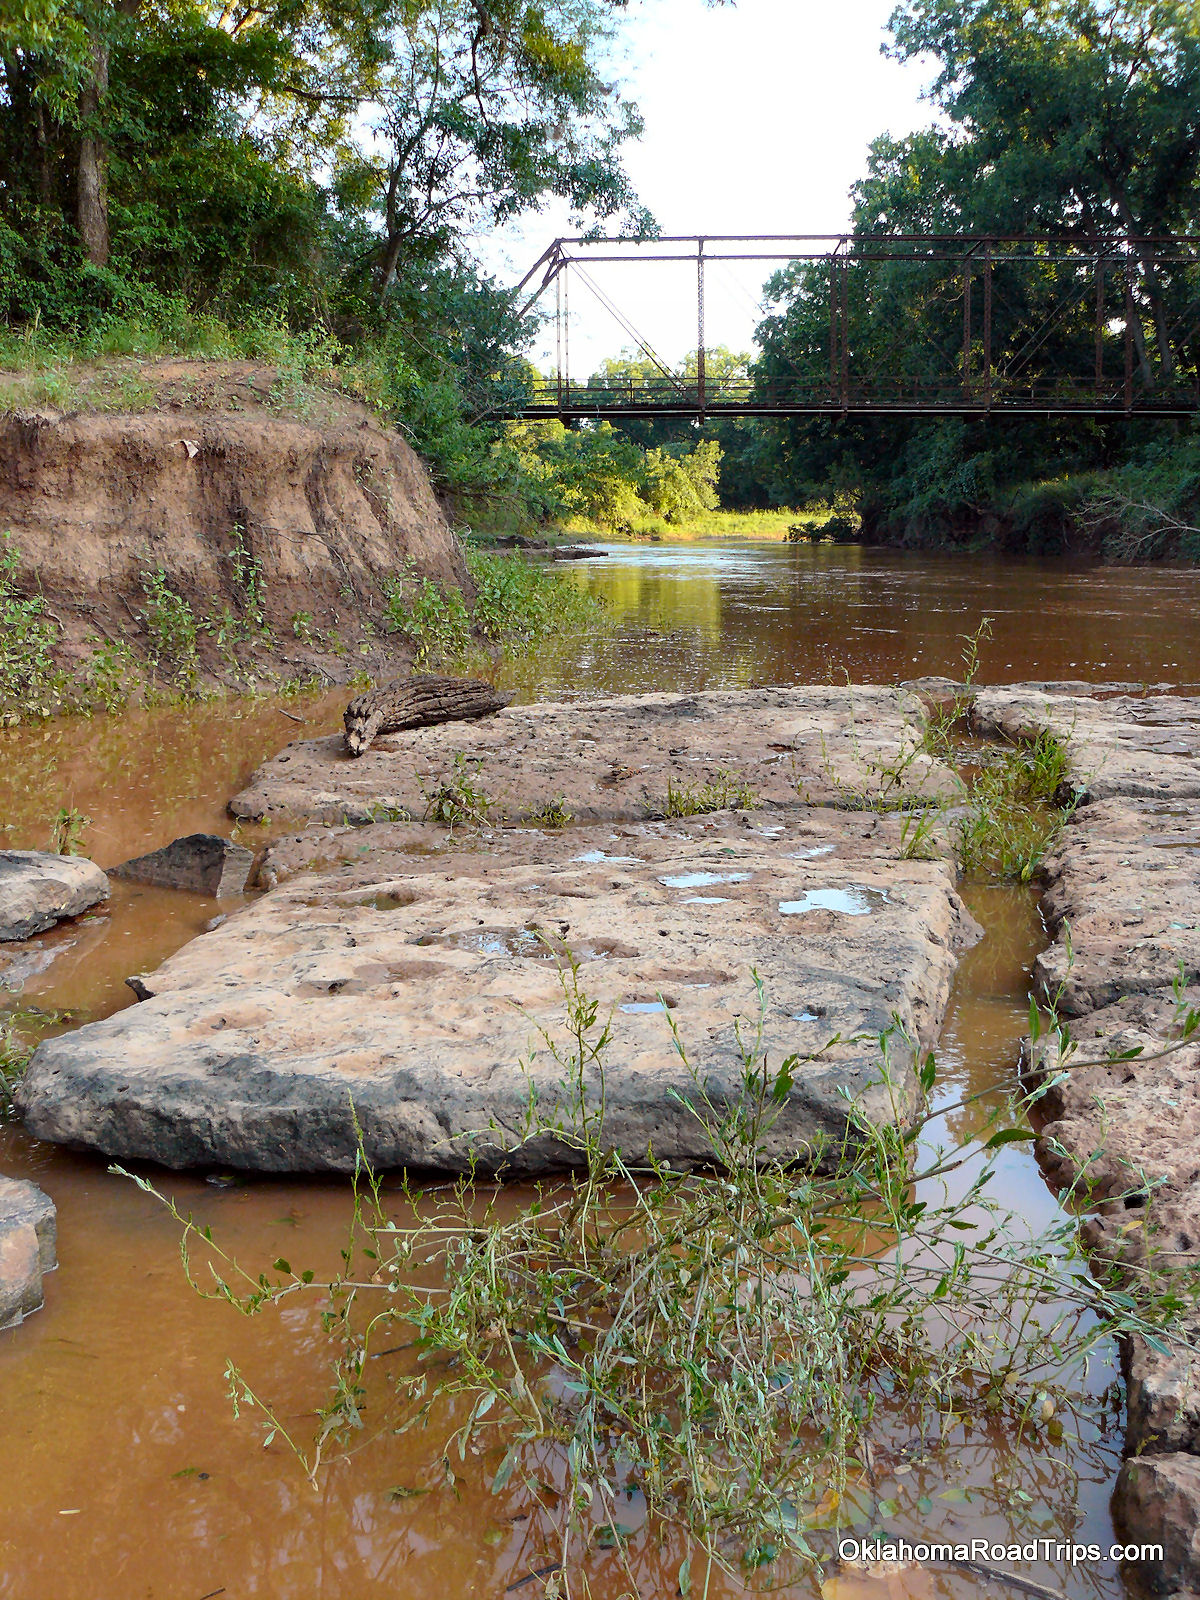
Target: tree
x: 483, y: 109
x: 1078, y: 115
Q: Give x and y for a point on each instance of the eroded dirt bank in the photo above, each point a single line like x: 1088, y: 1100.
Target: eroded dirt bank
x: 277, y: 527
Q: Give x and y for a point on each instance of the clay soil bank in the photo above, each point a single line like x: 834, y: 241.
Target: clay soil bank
x: 277, y: 517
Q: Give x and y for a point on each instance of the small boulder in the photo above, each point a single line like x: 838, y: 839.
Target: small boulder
x: 39, y: 888
x: 27, y: 1247
x: 1157, y: 1502
x: 205, y: 863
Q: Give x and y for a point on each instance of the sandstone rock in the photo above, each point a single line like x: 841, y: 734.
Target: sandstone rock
x: 38, y: 888
x: 612, y: 759
x: 1157, y: 1501
x: 1125, y: 887
x: 419, y: 987
x: 204, y: 863
x: 1127, y: 746
x: 1163, y: 1393
x: 1127, y: 1133
x: 27, y: 1248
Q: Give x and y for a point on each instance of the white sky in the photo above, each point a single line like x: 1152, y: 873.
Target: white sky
x: 758, y: 117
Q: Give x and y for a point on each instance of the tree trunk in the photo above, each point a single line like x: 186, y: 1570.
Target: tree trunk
x: 1158, y: 313
x: 91, y: 194
x: 418, y: 702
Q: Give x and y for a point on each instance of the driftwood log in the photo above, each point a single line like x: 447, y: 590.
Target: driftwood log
x: 417, y: 702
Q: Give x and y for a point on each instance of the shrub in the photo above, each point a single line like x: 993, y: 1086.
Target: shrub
x: 30, y: 682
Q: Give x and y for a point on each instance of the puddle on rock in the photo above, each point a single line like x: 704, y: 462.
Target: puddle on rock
x: 853, y: 902
x: 702, y: 880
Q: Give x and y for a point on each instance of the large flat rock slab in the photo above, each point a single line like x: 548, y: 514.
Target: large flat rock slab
x: 1137, y: 746
x: 612, y: 760
x: 427, y: 989
x: 27, y: 1247
x: 1123, y: 901
x: 39, y: 888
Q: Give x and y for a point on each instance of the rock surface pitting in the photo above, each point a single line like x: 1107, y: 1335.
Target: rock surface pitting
x: 415, y: 986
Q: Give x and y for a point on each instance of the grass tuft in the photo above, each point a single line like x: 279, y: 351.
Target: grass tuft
x: 727, y: 792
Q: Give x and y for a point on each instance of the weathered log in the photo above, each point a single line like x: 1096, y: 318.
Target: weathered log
x: 417, y: 702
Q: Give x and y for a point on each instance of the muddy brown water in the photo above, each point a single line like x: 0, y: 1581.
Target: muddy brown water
x: 127, y: 1476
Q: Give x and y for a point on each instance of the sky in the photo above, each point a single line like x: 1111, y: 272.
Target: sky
x: 758, y: 117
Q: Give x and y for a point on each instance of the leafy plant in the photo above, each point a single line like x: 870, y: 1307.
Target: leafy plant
x: 434, y: 619
x: 727, y: 791
x: 172, y: 626
x: 1011, y: 820
x: 721, y: 1347
x: 551, y: 813
x: 30, y: 682
x: 518, y: 603
x: 67, y: 831
x: 15, y: 1055
x: 459, y: 799
x: 248, y: 581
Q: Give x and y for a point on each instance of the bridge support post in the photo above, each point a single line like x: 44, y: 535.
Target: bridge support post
x: 845, y: 350
x: 700, y: 373
x: 966, y: 357
x: 987, y: 328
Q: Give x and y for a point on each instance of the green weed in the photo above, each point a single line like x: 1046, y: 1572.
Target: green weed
x: 434, y: 620
x: 248, y: 582
x: 15, y: 1055
x: 459, y: 800
x: 726, y: 792
x: 551, y: 814
x: 31, y: 684
x: 172, y: 626
x: 1011, y: 820
x: 729, y: 1346
x: 67, y: 830
x: 110, y: 676
x: 518, y: 603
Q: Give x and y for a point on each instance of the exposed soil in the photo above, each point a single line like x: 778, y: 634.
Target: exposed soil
x: 325, y: 504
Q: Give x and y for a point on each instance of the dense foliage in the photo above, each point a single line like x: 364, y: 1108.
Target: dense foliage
x: 1073, y: 118
x: 301, y: 178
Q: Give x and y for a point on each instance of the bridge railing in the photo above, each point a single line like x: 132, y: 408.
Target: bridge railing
x: 878, y: 324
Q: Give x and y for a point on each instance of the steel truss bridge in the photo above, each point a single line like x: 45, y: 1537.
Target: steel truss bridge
x: 1066, y: 325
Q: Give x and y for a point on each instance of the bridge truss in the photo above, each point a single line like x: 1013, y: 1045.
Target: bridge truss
x: 907, y: 325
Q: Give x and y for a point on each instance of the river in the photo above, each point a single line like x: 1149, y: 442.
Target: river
x: 127, y: 1476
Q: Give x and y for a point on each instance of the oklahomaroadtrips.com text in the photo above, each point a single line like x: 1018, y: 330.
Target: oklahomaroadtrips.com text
x: 981, y: 1550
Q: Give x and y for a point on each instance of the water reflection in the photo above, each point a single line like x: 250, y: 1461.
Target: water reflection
x: 131, y: 1475
x: 729, y: 616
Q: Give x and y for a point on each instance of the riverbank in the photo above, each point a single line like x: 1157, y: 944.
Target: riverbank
x: 238, y: 533
x: 486, y: 908
x: 797, y: 594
